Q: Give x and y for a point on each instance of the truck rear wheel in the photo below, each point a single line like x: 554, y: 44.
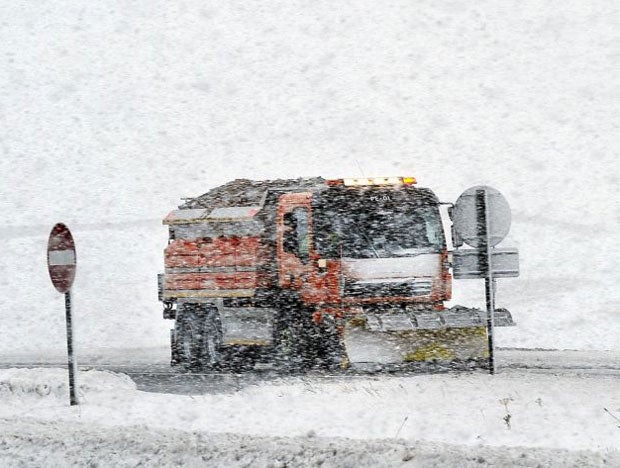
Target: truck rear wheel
x: 198, y: 337
x: 212, y: 339
x: 188, y: 342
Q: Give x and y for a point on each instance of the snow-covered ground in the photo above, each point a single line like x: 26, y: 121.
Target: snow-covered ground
x: 514, y: 419
x: 32, y: 443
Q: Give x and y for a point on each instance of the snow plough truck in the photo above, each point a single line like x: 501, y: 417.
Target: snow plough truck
x: 310, y: 272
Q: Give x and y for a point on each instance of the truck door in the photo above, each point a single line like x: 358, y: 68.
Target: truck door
x: 294, y: 240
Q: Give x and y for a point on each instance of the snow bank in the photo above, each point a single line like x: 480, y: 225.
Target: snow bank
x: 474, y: 410
x: 23, y: 384
x: 32, y: 443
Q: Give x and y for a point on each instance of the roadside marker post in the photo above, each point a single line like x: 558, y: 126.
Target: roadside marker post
x: 61, y: 265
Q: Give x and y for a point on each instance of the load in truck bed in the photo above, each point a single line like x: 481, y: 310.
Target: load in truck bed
x: 245, y: 192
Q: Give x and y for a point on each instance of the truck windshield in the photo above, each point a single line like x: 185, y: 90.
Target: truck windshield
x: 376, y: 222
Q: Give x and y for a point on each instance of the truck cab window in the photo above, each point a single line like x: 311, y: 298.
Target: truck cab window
x: 296, y: 237
x: 289, y: 238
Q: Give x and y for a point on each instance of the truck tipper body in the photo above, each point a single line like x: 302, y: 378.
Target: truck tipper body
x: 314, y: 272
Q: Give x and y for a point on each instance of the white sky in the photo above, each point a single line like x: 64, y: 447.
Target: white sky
x: 111, y: 111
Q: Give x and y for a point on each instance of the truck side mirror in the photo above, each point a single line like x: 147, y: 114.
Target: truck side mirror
x: 456, y: 239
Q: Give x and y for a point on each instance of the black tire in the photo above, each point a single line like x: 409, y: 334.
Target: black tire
x: 187, y: 342
x: 329, y: 346
x: 213, y: 339
x: 198, y: 337
x: 286, y: 348
x: 292, y: 342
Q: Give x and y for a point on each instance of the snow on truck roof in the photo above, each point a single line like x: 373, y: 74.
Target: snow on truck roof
x: 245, y: 192
x: 232, y: 213
x: 241, y: 199
x: 235, y: 201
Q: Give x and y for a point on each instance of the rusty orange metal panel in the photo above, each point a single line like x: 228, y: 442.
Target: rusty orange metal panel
x: 218, y: 252
x: 183, y: 261
x: 233, y: 280
x: 442, y: 284
x: 182, y: 247
x: 324, y: 285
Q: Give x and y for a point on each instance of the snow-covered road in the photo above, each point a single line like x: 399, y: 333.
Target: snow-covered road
x: 149, y: 368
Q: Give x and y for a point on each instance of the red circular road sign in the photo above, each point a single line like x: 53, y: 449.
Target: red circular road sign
x: 61, y: 258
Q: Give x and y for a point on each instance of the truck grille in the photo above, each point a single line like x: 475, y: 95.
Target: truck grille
x: 404, y: 289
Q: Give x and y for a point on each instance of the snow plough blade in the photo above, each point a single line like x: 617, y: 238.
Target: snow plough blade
x: 455, y: 335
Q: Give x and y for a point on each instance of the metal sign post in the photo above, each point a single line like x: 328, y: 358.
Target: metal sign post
x: 61, y: 265
x: 72, y: 363
x: 481, y: 219
x: 482, y: 211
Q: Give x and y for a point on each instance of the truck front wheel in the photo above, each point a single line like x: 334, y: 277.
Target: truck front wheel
x: 293, y: 338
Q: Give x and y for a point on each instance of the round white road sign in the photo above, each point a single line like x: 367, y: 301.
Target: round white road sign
x: 465, y: 216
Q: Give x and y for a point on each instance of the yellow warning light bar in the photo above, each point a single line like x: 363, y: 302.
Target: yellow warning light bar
x: 373, y: 181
